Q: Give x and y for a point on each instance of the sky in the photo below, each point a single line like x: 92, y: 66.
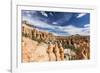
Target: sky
x: 59, y: 23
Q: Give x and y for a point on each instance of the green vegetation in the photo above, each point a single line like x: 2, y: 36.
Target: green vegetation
x: 72, y: 48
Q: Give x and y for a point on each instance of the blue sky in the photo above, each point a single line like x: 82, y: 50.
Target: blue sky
x: 59, y: 23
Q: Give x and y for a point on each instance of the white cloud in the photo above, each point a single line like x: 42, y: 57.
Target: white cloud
x: 37, y: 22
x: 29, y: 13
x: 44, y: 14
x: 51, y: 14
x: 81, y: 15
x: 87, y: 25
x: 54, y: 23
x: 71, y: 30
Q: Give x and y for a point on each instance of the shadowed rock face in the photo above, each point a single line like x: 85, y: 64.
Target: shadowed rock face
x: 42, y: 46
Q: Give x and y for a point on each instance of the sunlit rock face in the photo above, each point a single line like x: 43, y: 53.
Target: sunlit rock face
x: 41, y: 46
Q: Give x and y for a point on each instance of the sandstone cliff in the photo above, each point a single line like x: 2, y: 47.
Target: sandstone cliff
x: 44, y: 46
